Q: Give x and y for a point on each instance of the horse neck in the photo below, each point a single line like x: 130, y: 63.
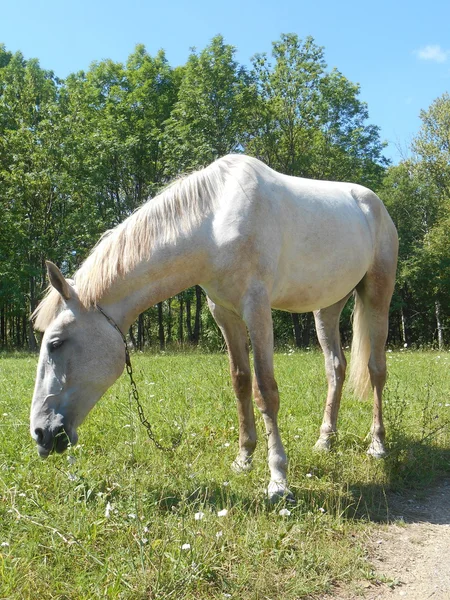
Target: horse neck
x: 171, y: 269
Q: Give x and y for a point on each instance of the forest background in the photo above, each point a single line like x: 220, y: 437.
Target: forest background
x: 78, y: 155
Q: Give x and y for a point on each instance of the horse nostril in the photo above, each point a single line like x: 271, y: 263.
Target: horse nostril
x: 39, y: 435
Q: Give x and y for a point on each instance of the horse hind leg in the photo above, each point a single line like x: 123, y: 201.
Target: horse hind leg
x: 327, y: 327
x: 235, y: 334
x: 371, y: 321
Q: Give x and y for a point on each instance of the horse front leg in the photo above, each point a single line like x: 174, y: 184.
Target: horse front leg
x: 258, y: 317
x: 235, y: 334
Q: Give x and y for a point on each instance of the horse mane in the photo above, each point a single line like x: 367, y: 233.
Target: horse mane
x: 176, y: 211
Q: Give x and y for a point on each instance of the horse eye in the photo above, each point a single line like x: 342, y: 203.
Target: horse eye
x: 56, y: 344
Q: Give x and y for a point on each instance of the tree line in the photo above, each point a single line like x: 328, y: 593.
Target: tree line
x: 78, y: 155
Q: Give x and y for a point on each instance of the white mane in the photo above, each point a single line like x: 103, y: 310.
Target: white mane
x: 175, y: 211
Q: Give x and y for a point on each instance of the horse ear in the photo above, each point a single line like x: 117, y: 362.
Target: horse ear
x: 58, y: 281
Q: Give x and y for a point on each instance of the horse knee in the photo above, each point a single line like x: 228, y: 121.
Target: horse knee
x: 242, y: 383
x: 266, y: 396
x: 377, y: 371
x: 340, y: 367
x: 336, y: 367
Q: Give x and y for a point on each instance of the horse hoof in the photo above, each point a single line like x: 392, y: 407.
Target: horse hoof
x: 241, y: 465
x: 376, y: 450
x: 324, y: 443
x: 278, y: 491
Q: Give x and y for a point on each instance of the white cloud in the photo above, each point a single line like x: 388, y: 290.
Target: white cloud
x: 434, y: 53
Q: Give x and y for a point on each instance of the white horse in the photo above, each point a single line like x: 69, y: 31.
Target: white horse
x: 253, y: 239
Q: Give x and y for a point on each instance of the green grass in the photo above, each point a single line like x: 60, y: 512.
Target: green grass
x: 115, y: 520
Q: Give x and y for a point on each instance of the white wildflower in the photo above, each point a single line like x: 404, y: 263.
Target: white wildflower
x: 219, y: 534
x: 308, y: 475
x: 108, y: 509
x: 186, y: 547
x: 4, y: 544
x: 284, y: 512
x: 199, y: 516
x: 131, y: 516
x: 222, y: 513
x: 71, y: 477
x: 71, y: 460
x: 322, y: 510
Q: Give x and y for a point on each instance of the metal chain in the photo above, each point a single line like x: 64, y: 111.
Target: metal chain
x: 143, y: 419
x: 133, y: 393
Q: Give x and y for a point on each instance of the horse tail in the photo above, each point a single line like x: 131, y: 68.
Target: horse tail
x: 359, y: 376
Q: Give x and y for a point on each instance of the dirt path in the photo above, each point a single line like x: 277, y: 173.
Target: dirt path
x: 413, y: 559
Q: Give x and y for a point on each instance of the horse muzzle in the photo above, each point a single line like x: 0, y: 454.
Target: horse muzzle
x: 56, y: 440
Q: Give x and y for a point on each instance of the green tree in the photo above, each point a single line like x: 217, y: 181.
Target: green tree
x: 432, y: 146
x: 34, y: 191
x: 311, y: 123
x: 210, y: 116
x: 417, y: 195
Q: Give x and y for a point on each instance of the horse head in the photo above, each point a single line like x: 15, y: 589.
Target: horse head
x: 80, y: 358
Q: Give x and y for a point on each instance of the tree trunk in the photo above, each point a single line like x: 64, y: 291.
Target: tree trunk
x: 140, y: 332
x: 306, y: 331
x: 403, y: 327
x: 198, y: 310
x: 132, y: 338
x: 297, y: 329
x: 169, y: 321
x: 180, y: 319
x: 162, y: 341
x: 2, y: 326
x: 440, y: 329
x: 32, y: 344
x: 33, y: 303
x: 188, y: 319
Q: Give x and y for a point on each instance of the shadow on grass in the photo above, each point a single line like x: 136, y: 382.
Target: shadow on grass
x: 412, y: 472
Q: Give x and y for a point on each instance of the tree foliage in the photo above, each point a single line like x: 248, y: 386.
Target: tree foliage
x: 79, y: 155
x: 417, y: 193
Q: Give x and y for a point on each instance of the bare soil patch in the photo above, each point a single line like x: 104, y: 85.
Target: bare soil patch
x: 410, y: 558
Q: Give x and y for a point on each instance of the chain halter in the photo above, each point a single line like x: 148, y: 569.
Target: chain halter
x: 134, y: 391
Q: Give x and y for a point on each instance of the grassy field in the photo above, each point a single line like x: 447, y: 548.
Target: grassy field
x: 116, y: 518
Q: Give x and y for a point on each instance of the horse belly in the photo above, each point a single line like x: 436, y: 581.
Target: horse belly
x: 317, y: 270
x: 308, y: 293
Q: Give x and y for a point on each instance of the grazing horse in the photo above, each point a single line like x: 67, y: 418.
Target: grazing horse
x: 254, y: 239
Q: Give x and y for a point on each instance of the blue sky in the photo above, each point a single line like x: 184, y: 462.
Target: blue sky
x: 398, y: 51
